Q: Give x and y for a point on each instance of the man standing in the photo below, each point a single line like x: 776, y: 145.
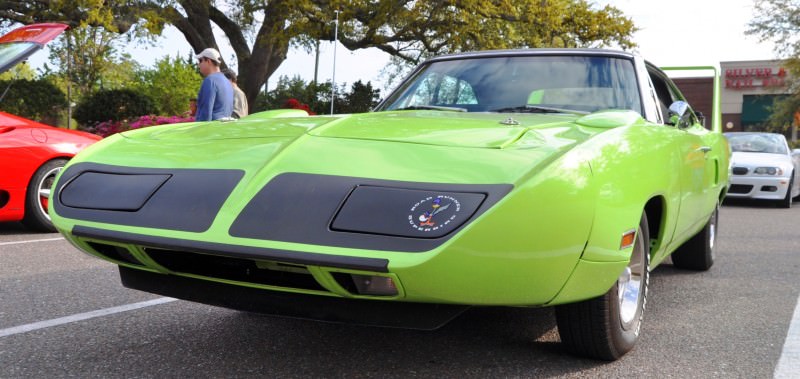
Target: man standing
x: 215, y: 99
x: 239, y: 98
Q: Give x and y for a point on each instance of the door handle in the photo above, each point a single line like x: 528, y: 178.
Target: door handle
x: 704, y: 149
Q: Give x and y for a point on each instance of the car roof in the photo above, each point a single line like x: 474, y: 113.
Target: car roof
x: 533, y: 52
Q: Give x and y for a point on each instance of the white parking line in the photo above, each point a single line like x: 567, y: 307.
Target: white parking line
x: 81, y: 316
x: 31, y: 241
x: 789, y: 363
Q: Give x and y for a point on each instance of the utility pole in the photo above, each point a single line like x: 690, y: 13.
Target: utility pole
x: 335, y: 42
x: 69, y: 79
x: 316, y: 64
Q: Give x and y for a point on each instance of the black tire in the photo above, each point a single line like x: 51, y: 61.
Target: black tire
x: 787, y: 200
x: 698, y: 252
x: 37, y: 196
x: 597, y: 328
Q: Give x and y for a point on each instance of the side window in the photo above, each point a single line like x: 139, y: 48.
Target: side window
x: 667, y: 94
x: 663, y: 94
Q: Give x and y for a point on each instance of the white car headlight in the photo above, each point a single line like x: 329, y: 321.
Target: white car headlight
x: 768, y: 171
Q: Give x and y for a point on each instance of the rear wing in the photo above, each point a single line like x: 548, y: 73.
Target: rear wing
x: 716, y: 117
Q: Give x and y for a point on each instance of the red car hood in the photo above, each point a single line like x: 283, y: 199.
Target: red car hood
x: 9, y: 122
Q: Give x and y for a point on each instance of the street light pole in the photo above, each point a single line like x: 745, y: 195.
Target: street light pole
x: 333, y: 76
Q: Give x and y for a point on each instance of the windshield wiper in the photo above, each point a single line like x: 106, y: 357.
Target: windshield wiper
x: 535, y: 109
x: 432, y: 107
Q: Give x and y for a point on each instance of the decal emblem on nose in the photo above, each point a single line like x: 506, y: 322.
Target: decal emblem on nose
x: 433, y: 213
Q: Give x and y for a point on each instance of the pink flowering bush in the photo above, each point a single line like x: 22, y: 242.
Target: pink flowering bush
x: 107, y: 128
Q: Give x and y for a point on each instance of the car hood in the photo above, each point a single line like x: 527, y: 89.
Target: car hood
x: 760, y: 159
x: 454, y: 129
x: 443, y: 147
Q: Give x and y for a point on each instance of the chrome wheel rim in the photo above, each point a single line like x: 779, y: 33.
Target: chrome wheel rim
x: 630, y: 285
x: 712, y: 230
x: 44, y: 189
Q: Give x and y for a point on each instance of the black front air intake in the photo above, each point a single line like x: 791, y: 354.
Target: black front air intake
x: 236, y: 269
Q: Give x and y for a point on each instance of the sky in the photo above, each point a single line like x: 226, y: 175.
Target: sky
x: 673, y: 33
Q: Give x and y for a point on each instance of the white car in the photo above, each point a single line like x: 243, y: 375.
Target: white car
x: 763, y: 167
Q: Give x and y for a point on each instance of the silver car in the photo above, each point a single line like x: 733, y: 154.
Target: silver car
x: 763, y: 167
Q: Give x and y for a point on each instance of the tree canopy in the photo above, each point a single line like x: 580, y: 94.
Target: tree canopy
x: 779, y: 21
x: 260, y: 32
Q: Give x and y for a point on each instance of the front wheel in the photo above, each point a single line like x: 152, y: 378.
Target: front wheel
x: 786, y: 202
x: 698, y: 252
x: 608, y: 326
x: 37, y: 197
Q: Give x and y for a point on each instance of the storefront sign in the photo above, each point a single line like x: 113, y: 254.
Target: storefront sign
x: 765, y: 77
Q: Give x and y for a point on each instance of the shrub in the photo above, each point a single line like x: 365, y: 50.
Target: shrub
x: 112, y: 105
x: 34, y: 99
x: 107, y: 128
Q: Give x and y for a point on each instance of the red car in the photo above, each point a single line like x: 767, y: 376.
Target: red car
x: 31, y: 154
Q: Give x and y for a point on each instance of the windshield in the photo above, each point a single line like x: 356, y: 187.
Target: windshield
x: 758, y: 143
x: 567, y: 83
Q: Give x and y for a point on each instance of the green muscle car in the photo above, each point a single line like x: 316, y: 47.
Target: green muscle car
x: 522, y: 178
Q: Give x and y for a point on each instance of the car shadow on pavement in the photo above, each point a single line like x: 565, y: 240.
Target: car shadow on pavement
x: 519, y: 342
x: 17, y: 228
x: 750, y: 203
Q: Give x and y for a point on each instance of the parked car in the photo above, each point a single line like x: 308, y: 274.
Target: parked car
x: 763, y: 167
x: 503, y: 178
x: 31, y: 153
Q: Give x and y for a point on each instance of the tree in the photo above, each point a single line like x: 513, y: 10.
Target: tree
x: 262, y: 31
x: 34, y: 99
x: 778, y: 21
x: 361, y: 98
x: 171, y: 83
x: 19, y: 71
x: 90, y: 59
x: 316, y: 96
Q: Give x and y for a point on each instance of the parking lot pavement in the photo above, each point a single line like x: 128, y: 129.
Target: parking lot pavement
x: 731, y: 321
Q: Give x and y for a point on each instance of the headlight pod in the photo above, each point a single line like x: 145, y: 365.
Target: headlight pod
x: 404, y: 212
x: 111, y: 192
x: 773, y: 171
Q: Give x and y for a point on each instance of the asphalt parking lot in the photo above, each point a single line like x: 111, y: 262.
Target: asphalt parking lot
x: 64, y: 314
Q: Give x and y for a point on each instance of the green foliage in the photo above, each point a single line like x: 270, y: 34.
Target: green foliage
x: 89, y: 58
x: 171, y: 84
x: 261, y: 32
x: 316, y: 96
x: 778, y: 21
x: 34, y: 99
x: 361, y: 98
x: 113, y: 105
x: 19, y: 71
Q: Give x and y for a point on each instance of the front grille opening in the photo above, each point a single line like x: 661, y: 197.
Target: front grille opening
x: 740, y: 188
x: 237, y: 269
x: 117, y: 253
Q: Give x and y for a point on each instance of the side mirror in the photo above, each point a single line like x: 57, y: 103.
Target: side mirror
x: 796, y: 152
x: 679, y: 114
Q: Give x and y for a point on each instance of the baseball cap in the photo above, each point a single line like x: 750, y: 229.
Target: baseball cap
x: 209, y: 53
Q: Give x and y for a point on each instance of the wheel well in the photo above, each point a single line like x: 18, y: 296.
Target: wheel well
x: 654, y: 209
x: 30, y: 180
